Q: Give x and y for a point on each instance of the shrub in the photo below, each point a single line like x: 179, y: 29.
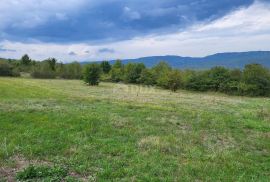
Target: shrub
x: 218, y: 78
x: 256, y: 80
x: 43, y: 70
x: 133, y: 72
x: 147, y: 77
x: 161, y: 71
x: 91, y: 74
x: 174, y: 80
x: 69, y: 71
x: 117, y: 72
x: 105, y: 67
x: 198, y: 81
x: 7, y: 70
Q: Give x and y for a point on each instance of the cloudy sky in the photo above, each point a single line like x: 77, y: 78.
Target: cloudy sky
x: 88, y: 30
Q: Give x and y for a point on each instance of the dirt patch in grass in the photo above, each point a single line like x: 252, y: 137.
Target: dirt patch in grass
x: 19, y: 164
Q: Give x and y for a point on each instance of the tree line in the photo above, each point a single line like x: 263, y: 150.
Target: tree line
x: 253, y: 80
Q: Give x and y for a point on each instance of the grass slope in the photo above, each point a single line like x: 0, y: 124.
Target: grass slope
x: 131, y: 133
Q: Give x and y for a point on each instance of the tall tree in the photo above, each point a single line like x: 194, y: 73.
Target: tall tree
x: 52, y: 63
x: 25, y: 60
x: 105, y: 66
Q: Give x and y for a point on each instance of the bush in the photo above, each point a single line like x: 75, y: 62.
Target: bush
x: 147, y: 77
x: 256, y: 80
x: 174, y: 80
x: 43, y: 70
x: 117, y: 72
x: 161, y: 71
x: 7, y: 70
x: 105, y: 67
x: 218, y: 78
x: 198, y: 81
x: 69, y: 71
x: 133, y: 72
x: 91, y: 74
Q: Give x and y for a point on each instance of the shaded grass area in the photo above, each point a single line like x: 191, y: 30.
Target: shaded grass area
x: 117, y: 132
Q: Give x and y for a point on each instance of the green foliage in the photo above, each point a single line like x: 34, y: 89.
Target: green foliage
x: 43, y: 70
x: 69, y: 71
x: 174, y: 80
x: 133, y: 72
x: 161, y: 71
x: 197, y: 81
x: 42, y: 173
x: 25, y: 60
x: 117, y: 71
x: 52, y: 63
x: 256, y: 80
x: 147, y: 77
x: 91, y: 74
x: 105, y: 66
x: 218, y: 78
x: 7, y: 70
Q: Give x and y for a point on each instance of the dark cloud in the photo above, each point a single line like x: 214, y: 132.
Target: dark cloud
x: 72, y: 53
x: 106, y: 50
x: 114, y: 20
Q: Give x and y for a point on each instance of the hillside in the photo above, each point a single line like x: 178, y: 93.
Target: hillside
x: 116, y: 132
x: 229, y: 60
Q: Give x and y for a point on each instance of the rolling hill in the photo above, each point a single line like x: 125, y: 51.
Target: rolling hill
x: 229, y: 60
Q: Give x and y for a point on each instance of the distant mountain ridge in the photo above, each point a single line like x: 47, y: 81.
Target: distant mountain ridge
x: 229, y: 60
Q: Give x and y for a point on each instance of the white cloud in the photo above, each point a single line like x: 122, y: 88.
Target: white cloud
x: 253, y: 19
x: 242, y: 30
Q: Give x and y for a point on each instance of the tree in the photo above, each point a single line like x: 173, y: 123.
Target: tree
x: 147, y: 77
x: 256, y: 79
x: 52, y: 63
x: 117, y: 71
x: 25, y: 60
x: 198, y: 81
x: 7, y: 70
x: 105, y: 66
x: 161, y: 71
x: 233, y: 84
x: 69, y: 71
x: 218, y: 78
x: 174, y: 80
x: 133, y: 72
x: 91, y: 74
x: 43, y: 70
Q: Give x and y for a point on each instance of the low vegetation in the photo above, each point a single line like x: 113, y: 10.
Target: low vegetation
x: 64, y: 130
x: 253, y: 80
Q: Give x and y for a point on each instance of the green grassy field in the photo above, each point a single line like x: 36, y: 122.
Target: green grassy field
x: 115, y: 132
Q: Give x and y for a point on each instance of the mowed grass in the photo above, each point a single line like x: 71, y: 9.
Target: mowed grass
x: 116, y: 132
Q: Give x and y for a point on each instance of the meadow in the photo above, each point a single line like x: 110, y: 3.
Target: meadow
x: 117, y: 132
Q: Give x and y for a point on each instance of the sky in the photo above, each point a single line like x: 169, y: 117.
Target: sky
x: 93, y: 30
